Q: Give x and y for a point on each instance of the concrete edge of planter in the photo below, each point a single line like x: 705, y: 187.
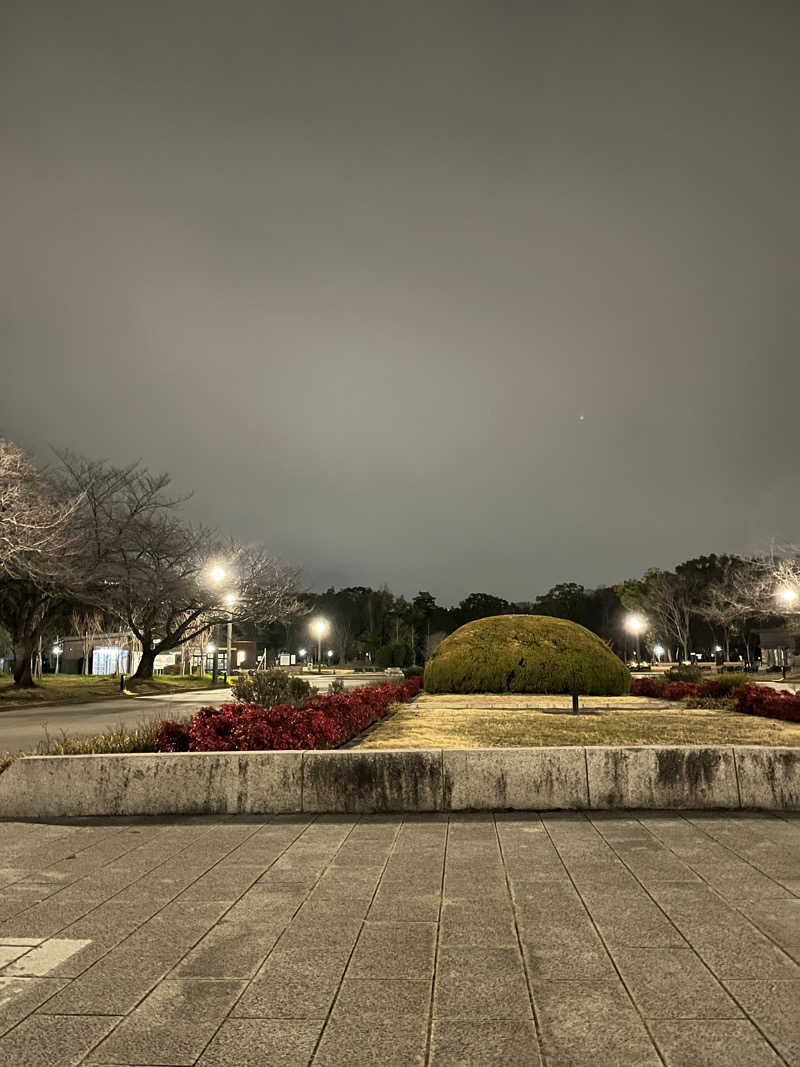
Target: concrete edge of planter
x: 364, y: 781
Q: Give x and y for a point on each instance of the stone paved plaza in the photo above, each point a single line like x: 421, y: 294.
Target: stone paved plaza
x: 638, y: 939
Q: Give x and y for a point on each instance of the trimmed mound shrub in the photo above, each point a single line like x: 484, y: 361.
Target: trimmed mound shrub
x: 524, y: 654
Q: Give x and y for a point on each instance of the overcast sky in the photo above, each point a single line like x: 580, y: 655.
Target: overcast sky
x: 450, y: 295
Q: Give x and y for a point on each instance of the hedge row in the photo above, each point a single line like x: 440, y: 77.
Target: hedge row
x: 325, y: 722
x: 719, y: 687
x: 771, y: 703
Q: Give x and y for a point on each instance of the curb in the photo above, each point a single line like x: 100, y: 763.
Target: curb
x: 403, y: 780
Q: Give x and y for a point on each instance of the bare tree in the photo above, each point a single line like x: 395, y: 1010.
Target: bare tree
x: 36, y: 531
x: 669, y: 603
x: 165, y: 580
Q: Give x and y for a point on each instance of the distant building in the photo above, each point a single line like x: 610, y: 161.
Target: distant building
x: 119, y: 653
x: 780, y: 647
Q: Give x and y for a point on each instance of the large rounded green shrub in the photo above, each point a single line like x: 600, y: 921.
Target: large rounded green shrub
x: 524, y: 654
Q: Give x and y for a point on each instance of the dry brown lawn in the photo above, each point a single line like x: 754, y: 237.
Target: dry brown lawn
x: 488, y: 721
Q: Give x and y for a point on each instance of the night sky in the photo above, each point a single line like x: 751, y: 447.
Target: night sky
x: 449, y: 295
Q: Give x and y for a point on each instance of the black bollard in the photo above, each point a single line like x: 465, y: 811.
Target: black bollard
x: 122, y: 683
x: 574, y: 680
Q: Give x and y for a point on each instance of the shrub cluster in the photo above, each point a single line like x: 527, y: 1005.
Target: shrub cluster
x: 324, y: 722
x: 268, y: 688
x: 771, y: 703
x: 664, y: 688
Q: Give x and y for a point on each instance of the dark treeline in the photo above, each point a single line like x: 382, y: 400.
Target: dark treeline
x: 705, y: 603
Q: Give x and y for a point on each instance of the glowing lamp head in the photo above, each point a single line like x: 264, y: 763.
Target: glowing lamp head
x: 787, y: 596
x: 212, y: 648
x: 635, y: 624
x: 217, y: 574
x: 319, y: 627
x: 658, y: 649
x: 230, y: 600
x: 301, y: 652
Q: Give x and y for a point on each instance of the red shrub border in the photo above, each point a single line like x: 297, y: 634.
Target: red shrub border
x: 768, y: 702
x: 325, y: 722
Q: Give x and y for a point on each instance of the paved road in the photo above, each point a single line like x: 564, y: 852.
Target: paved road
x: 635, y: 939
x: 21, y: 729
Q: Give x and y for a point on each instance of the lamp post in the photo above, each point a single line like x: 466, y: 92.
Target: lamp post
x: 636, y: 625
x: 230, y: 600
x: 319, y: 627
x: 57, y: 650
x: 217, y: 575
x: 788, y: 597
x: 658, y: 651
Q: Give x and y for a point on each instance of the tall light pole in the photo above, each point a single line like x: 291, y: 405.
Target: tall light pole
x: 319, y: 627
x: 788, y: 597
x: 57, y: 650
x: 230, y: 600
x: 636, y: 625
x: 217, y: 575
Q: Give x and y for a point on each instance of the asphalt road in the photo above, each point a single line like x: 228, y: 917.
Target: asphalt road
x: 21, y: 729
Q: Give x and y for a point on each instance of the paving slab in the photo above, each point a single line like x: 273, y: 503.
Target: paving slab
x: 472, y: 938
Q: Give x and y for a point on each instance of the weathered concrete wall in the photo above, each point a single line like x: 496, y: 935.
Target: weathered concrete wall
x: 653, y: 777
x: 533, y: 779
x: 525, y: 779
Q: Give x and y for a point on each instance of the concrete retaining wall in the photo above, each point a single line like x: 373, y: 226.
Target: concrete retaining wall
x: 383, y: 780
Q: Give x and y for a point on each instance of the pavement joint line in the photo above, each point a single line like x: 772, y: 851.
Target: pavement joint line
x: 603, y: 941
x: 140, y: 925
x: 536, y: 1022
x: 730, y: 903
x: 716, y: 977
x: 391, y: 852
x: 126, y: 1015
x: 313, y: 821
x: 429, y: 1033
x: 738, y: 855
x: 169, y: 859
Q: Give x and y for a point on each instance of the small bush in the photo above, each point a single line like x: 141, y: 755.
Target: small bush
x: 325, y: 721
x: 684, y: 674
x: 648, y: 687
x: 681, y: 690
x: 767, y: 702
x: 336, y: 687
x: 173, y: 737
x: 723, y: 685
x: 269, y: 688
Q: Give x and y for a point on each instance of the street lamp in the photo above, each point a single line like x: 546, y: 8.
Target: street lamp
x: 230, y: 600
x: 658, y: 651
x: 636, y: 625
x: 57, y: 650
x: 319, y: 627
x: 217, y: 575
x: 787, y: 596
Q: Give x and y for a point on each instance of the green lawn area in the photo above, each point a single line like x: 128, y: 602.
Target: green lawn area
x: 481, y: 721
x: 77, y: 689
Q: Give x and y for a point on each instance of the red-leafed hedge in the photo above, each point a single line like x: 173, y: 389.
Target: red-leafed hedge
x: 771, y: 703
x: 325, y: 722
x: 718, y: 687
